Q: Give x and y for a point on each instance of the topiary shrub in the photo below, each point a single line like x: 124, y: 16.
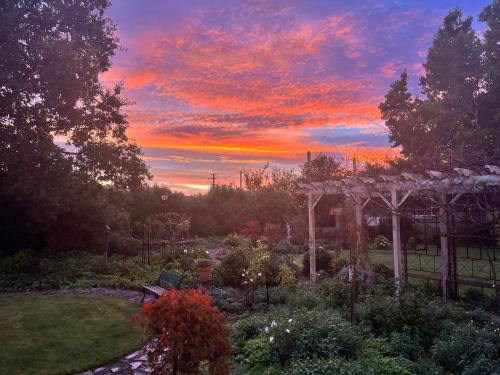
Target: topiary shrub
x: 189, y: 331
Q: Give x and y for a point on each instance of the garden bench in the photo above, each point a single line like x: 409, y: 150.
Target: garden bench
x: 157, y: 289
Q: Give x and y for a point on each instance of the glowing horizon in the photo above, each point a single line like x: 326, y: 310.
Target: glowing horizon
x: 220, y: 86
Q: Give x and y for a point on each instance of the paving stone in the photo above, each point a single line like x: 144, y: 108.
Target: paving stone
x: 135, y: 365
x: 133, y: 355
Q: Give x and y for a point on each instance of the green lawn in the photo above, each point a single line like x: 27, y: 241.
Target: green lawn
x: 58, y: 334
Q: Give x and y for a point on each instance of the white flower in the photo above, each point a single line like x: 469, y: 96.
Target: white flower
x: 185, y: 251
x: 266, y: 329
x: 271, y: 339
x: 273, y: 323
x: 206, y: 251
x: 290, y: 320
x: 242, y: 275
x: 259, y: 274
x: 251, y: 280
x: 287, y: 330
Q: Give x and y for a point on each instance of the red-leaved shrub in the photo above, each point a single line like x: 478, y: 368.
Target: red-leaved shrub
x: 252, y: 230
x: 189, y: 330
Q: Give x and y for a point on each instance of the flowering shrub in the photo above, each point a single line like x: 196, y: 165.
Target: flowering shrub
x: 286, y: 276
x: 310, y: 334
x: 382, y: 243
x: 182, y: 261
x: 263, y: 268
x: 189, y: 331
x: 233, y: 263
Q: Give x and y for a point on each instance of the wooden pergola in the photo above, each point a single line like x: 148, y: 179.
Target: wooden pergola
x: 393, y: 191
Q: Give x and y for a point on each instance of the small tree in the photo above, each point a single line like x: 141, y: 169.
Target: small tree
x: 262, y: 271
x: 191, y: 329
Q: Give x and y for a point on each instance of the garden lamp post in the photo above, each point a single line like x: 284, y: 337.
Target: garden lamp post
x: 107, y: 230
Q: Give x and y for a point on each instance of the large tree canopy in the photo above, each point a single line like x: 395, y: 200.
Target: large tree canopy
x: 51, y: 56
x: 457, y: 118
x: 62, y: 133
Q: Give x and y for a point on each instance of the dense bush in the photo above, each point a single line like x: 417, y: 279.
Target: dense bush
x: 382, y: 270
x: 325, y: 367
x: 310, y: 334
x: 408, y: 313
x: 257, y: 352
x: 233, y: 240
x: 469, y: 349
x: 182, y: 260
x: 124, y: 245
x: 233, y: 263
x: 29, y: 270
x: 323, y: 262
x: 246, y: 328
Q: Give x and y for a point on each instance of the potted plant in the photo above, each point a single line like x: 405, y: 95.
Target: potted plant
x: 203, y: 267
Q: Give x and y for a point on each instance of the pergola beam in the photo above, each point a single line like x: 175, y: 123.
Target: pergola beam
x: 389, y: 189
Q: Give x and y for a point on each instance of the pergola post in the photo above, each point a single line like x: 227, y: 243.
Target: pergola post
x: 396, y: 238
x: 445, y: 255
x: 359, y: 213
x: 312, y: 237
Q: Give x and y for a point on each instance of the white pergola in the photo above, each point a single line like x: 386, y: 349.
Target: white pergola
x: 393, y: 191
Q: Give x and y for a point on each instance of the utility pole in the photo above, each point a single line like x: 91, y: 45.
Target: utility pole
x: 213, y: 178
x: 354, y: 165
x: 241, y: 179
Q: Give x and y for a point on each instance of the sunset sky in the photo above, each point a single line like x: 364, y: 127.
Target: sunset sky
x: 220, y: 86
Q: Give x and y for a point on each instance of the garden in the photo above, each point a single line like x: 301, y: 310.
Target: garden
x: 257, y: 315
x: 353, y: 264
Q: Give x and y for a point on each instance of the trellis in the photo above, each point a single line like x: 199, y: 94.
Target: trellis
x: 444, y: 189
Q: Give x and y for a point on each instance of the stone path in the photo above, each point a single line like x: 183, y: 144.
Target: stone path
x: 133, y: 364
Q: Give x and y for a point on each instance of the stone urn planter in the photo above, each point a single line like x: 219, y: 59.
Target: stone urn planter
x: 204, y: 266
